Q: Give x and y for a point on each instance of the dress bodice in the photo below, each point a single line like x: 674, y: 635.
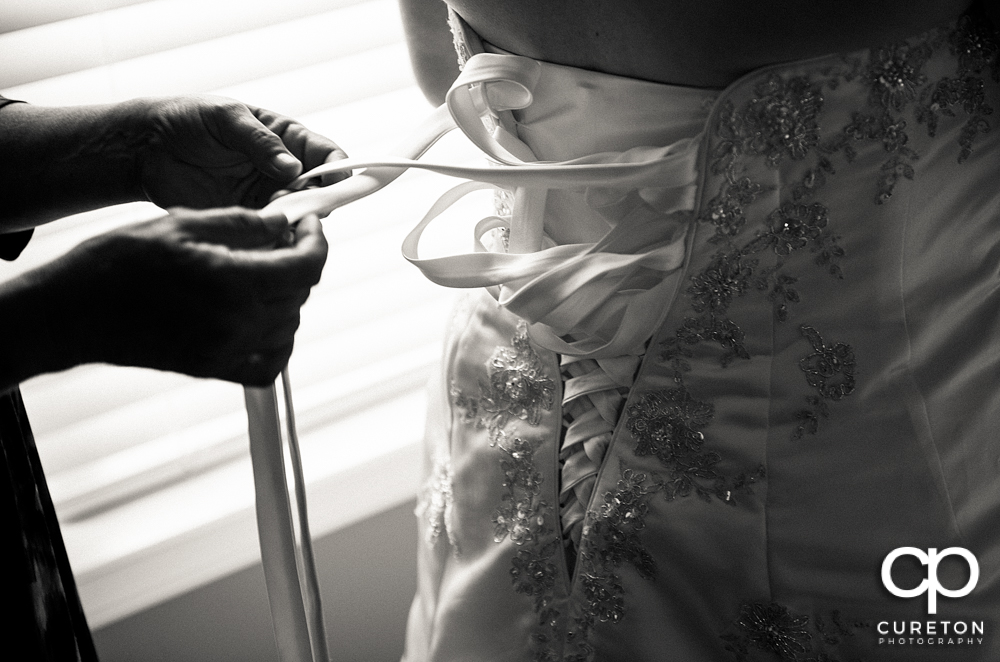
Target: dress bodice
x: 819, y: 389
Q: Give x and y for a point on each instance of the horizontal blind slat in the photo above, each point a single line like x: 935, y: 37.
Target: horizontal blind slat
x: 221, y: 62
x: 149, y: 470
x: 21, y: 14
x: 102, y: 38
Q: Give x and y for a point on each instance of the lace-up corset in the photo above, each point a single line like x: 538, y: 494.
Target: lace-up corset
x: 768, y: 315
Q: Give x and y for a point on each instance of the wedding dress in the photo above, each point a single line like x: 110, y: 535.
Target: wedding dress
x: 690, y: 416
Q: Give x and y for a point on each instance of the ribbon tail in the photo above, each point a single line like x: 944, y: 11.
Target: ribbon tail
x: 289, y: 564
x: 296, y: 205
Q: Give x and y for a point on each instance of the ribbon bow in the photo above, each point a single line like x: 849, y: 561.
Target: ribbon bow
x: 597, y: 300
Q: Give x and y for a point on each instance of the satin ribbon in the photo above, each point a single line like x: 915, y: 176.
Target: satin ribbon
x: 602, y: 291
x: 286, y: 550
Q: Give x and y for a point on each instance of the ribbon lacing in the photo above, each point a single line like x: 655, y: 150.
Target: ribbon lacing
x: 596, y: 304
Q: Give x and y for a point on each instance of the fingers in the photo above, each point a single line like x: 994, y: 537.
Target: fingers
x: 260, y: 254
x: 260, y: 368
x: 213, y: 293
x: 268, y: 287
x: 298, y: 264
x: 232, y: 227
x: 240, y: 130
x: 312, y: 149
x: 258, y: 363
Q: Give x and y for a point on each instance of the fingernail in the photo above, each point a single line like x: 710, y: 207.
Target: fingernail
x: 286, y: 162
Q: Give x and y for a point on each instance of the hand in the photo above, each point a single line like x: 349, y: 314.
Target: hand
x: 210, y: 294
x: 214, y: 152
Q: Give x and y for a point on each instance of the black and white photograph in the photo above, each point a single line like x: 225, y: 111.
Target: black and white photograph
x: 500, y: 330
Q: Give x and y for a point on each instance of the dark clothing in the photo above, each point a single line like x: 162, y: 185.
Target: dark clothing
x: 44, y: 621
x: 13, y: 243
x: 44, y: 617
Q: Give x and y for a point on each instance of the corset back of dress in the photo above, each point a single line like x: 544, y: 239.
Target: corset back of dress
x: 819, y: 391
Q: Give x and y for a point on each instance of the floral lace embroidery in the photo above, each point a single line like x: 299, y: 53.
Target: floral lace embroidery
x: 782, y: 121
x: 977, y: 49
x: 667, y: 424
x: 610, y: 540
x: 894, y: 73
x: 779, y: 121
x: 521, y: 515
x: 975, y: 45
x: 728, y: 209
x: 664, y: 424
x: 735, y: 271
x: 529, y: 523
x: 829, y: 370
x: 462, y: 52
x: 517, y: 389
x: 896, y: 80
x: 782, y: 118
x: 772, y: 632
x: 437, y: 502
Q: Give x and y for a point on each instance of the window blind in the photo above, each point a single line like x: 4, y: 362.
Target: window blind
x: 150, y: 471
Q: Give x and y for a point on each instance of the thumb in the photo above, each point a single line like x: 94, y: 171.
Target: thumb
x: 248, y: 135
x: 233, y: 227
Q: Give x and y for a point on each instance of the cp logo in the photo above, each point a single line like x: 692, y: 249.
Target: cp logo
x: 930, y: 585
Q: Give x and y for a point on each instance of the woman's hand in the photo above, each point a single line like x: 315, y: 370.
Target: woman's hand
x: 192, y: 151
x: 212, y: 151
x: 207, y: 293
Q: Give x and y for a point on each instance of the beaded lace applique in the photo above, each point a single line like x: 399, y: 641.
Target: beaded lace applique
x: 610, y: 540
x: 517, y: 389
x: 782, y: 122
x: 773, y: 633
x: 830, y: 370
x: 667, y: 425
x: 436, y: 504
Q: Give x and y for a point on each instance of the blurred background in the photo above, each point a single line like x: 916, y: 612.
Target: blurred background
x: 149, y: 471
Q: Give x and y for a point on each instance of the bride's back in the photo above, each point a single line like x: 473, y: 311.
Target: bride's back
x: 707, y: 43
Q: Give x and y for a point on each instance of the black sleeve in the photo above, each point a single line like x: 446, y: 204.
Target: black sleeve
x: 13, y: 243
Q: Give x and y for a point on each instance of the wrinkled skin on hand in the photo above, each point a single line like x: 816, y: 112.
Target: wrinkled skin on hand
x: 207, y: 293
x: 204, y: 151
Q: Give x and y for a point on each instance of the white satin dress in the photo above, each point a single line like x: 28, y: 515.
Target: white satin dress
x: 705, y: 394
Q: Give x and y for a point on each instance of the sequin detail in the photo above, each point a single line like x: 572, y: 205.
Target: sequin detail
x: 778, y: 122
x: 462, y: 52
x: 727, y: 211
x: 894, y: 73
x: 436, y: 504
x: 782, y: 122
x: 521, y: 515
x: 975, y: 45
x: 770, y: 631
x: 611, y: 540
x: 737, y: 270
x: 830, y: 370
x: 518, y: 390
